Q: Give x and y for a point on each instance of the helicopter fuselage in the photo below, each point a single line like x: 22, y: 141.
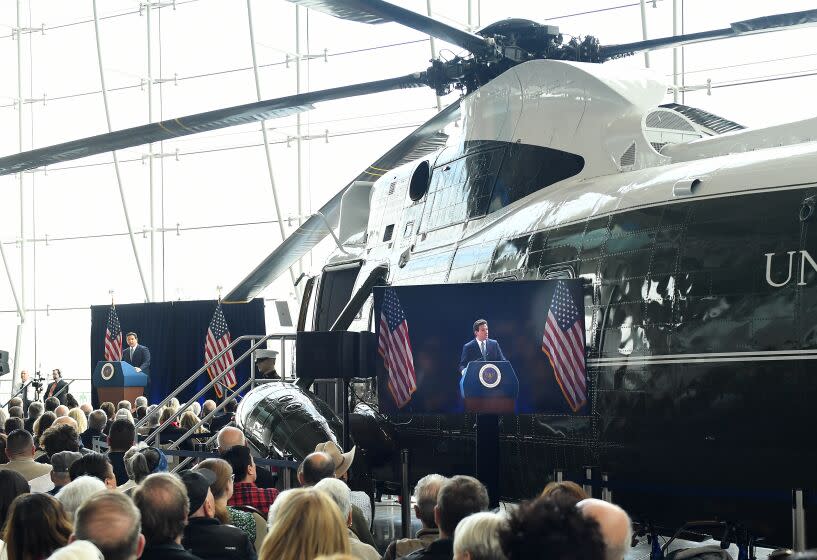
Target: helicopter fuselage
x: 701, y: 289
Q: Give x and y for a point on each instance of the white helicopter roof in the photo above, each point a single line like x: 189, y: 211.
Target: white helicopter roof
x: 592, y: 110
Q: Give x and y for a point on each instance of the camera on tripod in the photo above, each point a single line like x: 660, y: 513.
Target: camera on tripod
x: 38, y: 380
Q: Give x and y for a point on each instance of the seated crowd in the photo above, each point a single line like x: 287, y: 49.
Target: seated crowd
x: 77, y: 483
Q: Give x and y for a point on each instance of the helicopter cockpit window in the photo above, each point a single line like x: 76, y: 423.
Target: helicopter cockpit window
x: 461, y: 189
x: 526, y: 169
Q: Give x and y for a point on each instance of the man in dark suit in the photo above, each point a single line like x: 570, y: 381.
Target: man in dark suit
x: 136, y: 355
x: 57, y: 388
x: 482, y: 348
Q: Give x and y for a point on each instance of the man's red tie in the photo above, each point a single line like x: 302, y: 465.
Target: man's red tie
x: 51, y: 391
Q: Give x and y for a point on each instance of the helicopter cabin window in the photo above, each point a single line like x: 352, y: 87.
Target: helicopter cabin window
x: 461, y: 189
x: 527, y: 169
x: 387, y: 233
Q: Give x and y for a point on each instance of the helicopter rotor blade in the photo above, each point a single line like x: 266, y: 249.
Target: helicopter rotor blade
x: 379, y: 11
x: 194, y: 124
x: 747, y: 27
x: 425, y: 139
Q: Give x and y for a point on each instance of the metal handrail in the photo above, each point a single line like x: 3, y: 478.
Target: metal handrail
x: 206, y: 388
x: 282, y: 337
x: 196, y: 374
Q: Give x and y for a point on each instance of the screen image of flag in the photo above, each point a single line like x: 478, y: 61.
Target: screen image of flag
x: 394, y: 346
x: 218, y: 338
x: 113, y: 337
x: 563, y: 342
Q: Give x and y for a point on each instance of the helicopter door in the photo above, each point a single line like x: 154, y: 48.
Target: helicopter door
x: 334, y: 292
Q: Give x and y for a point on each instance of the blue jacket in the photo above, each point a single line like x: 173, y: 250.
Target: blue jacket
x: 141, y: 358
x: 472, y: 353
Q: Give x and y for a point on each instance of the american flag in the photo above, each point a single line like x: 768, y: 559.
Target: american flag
x: 563, y: 342
x: 395, y: 347
x: 217, y: 339
x: 113, y: 337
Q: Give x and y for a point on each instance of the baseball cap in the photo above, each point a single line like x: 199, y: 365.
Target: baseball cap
x: 198, y: 483
x: 62, y: 460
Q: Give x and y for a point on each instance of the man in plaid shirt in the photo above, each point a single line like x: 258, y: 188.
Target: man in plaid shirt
x: 245, y: 492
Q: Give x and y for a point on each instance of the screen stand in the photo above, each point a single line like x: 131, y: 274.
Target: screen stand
x: 488, y: 455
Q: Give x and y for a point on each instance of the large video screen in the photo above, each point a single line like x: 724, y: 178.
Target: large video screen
x: 495, y: 348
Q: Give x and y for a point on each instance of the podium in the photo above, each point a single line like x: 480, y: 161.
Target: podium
x: 490, y: 388
x: 118, y: 381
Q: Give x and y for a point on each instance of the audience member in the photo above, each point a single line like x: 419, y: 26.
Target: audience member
x: 140, y: 413
x: 151, y: 421
x: 14, y: 401
x: 190, y: 419
x: 20, y: 450
x: 35, y: 410
x: 16, y: 412
x: 146, y: 461
x: 12, y: 484
x: 61, y: 462
x: 141, y: 401
x: 304, y: 514
x: 66, y: 420
x: 77, y: 491
x: 477, y: 537
x: 121, y: 438
x: 566, y: 493
x: 113, y: 523
x: 77, y: 550
x: 71, y: 401
x: 61, y: 411
x: 4, y: 415
x: 458, y: 498
x: 163, y: 502
x: 96, y: 465
x: 540, y: 529
x: 319, y: 465
x: 124, y: 405
x: 252, y: 524
x: 36, y: 527
x: 96, y: 426
x: 86, y: 408
x: 616, y: 528
x: 245, y: 491
x: 80, y: 418
x: 3, y: 457
x: 343, y: 462
x: 62, y: 437
x: 195, y: 407
x: 109, y: 409
x: 123, y: 414
x: 425, y: 500
x: 342, y: 496
x: 205, y: 536
x: 13, y: 423
x: 226, y: 416
x: 208, y: 407
x: 174, y: 404
x: 51, y: 404
x: 41, y: 425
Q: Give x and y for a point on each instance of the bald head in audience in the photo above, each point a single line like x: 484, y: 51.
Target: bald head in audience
x: 315, y: 467
x: 112, y: 522
x: 61, y: 410
x: 614, y: 523
x: 86, y: 408
x: 229, y: 437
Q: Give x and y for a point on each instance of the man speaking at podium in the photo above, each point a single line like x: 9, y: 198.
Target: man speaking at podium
x: 482, y: 348
x: 136, y: 355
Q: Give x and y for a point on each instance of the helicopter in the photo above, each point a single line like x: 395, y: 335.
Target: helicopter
x: 693, y: 235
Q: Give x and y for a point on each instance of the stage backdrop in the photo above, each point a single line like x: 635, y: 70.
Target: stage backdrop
x: 174, y: 332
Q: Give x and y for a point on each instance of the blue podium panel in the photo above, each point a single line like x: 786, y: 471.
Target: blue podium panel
x: 117, y: 374
x: 490, y: 387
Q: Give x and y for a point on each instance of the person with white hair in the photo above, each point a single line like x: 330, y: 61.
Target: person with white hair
x: 425, y: 499
x: 124, y: 405
x: 196, y: 408
x: 342, y: 496
x: 477, y: 537
x: 77, y: 491
x: 77, y: 550
x: 615, y: 524
x: 124, y: 414
x: 141, y: 401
